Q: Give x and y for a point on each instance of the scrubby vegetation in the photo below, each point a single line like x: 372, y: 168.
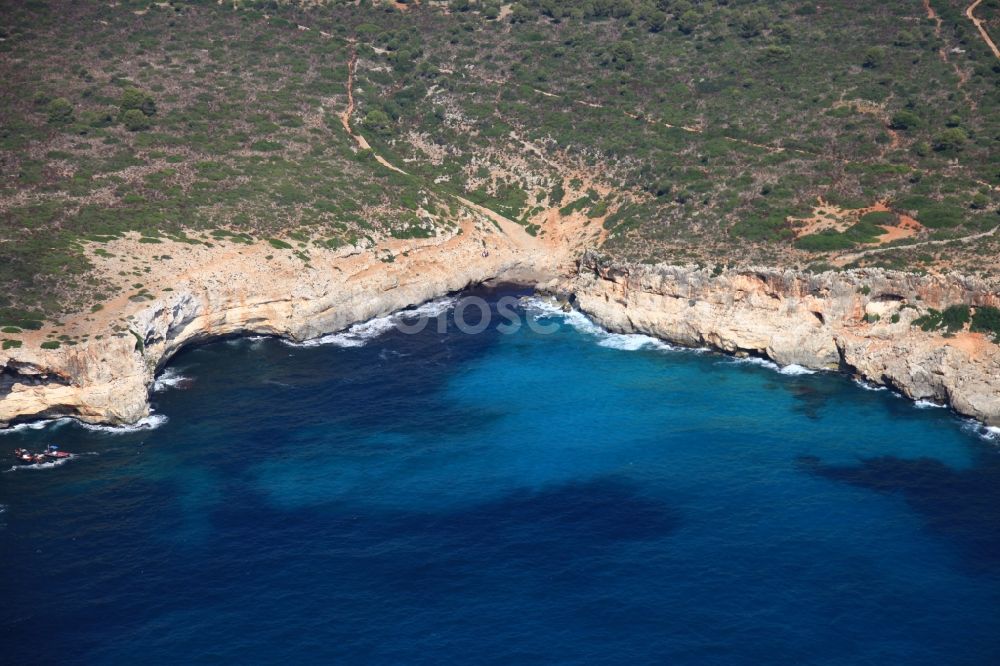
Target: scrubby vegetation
x: 687, y: 131
x: 979, y: 319
x: 986, y: 319
x: 952, y: 319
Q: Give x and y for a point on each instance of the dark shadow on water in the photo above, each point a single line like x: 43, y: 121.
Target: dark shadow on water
x: 554, y: 531
x: 391, y: 383
x: 809, y: 399
x: 569, y: 517
x: 962, y: 506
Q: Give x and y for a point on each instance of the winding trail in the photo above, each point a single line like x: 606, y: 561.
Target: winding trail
x: 515, y: 232
x: 932, y: 15
x: 345, y: 116
x: 685, y: 128
x: 847, y: 258
x: 970, y: 14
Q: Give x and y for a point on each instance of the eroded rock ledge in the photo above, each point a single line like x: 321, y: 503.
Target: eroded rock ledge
x: 207, y: 292
x: 816, y: 321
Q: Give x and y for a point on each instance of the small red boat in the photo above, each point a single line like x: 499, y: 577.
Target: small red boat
x: 51, y: 452
x: 26, y: 457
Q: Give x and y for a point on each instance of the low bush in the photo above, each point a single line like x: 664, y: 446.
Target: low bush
x: 952, y: 319
x: 135, y: 120
x: 60, y: 111
x: 824, y: 241
x: 135, y: 99
x: 986, y: 319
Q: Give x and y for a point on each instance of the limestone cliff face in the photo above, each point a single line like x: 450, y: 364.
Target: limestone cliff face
x: 212, y: 292
x: 816, y: 321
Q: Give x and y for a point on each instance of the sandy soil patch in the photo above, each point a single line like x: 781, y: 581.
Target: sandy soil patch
x: 906, y: 228
x: 827, y: 216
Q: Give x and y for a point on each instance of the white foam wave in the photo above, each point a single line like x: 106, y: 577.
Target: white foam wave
x: 927, y: 404
x: 756, y: 360
x: 49, y: 464
x: 149, y: 423
x: 794, y: 369
x: 170, y: 378
x: 430, y: 308
x: 989, y: 433
x: 33, y: 425
x: 868, y: 386
x: 632, y: 342
x: 359, y: 334
x: 541, y: 308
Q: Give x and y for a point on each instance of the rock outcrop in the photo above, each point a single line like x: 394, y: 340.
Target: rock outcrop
x: 207, y: 292
x: 859, y: 321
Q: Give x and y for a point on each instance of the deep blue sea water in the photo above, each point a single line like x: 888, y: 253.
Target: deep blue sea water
x: 563, y: 498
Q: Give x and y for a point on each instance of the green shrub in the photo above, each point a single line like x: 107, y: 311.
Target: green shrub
x: 773, y: 227
x: 135, y: 120
x: 133, y: 98
x: 574, y: 206
x: 50, y: 344
x: 31, y: 321
x: 874, y: 57
x: 11, y: 344
x: 930, y: 321
x: 378, y: 121
x: 557, y: 194
x: 986, y: 319
x: 955, y: 317
x: 60, y: 111
x: 279, y: 244
x: 265, y: 146
x: 950, y: 139
x: 686, y: 22
x: 140, y: 345
x: 904, y: 120
x: 97, y: 118
x: 879, y: 218
x: 940, y: 216
x: 824, y: 241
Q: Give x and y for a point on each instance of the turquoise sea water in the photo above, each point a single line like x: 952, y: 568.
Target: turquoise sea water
x: 573, y: 497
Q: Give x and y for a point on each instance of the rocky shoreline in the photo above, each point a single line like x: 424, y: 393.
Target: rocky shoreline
x: 858, y: 321
x: 220, y: 291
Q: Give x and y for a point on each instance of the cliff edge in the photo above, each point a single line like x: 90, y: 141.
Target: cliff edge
x: 859, y: 321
